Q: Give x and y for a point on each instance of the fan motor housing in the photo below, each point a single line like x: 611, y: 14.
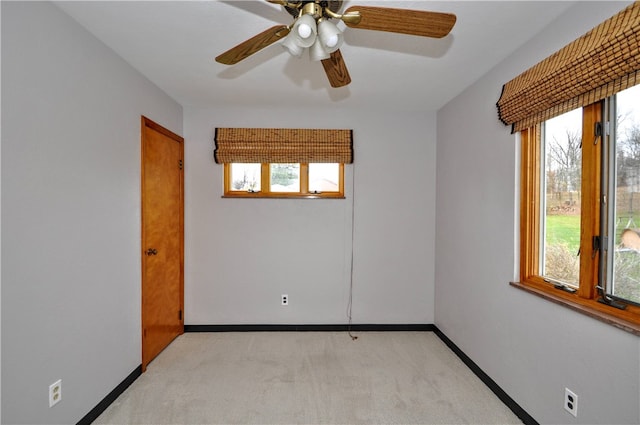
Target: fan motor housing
x: 332, y: 5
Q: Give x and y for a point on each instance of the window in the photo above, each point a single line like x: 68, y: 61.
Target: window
x: 578, y: 213
x: 284, y: 180
x: 580, y: 209
x: 621, y: 268
x: 560, y: 206
x: 283, y: 162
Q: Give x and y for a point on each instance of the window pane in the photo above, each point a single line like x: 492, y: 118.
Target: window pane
x: 285, y: 177
x: 245, y: 177
x: 562, y: 189
x: 626, y: 202
x: 324, y: 177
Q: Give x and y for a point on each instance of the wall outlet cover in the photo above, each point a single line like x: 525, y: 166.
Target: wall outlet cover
x: 55, y: 393
x: 571, y: 402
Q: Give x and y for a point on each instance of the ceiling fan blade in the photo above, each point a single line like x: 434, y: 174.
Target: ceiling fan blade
x: 336, y: 70
x: 252, y: 45
x: 404, y: 21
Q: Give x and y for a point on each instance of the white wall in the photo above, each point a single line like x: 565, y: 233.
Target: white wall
x: 242, y: 254
x: 532, y: 348
x: 70, y: 213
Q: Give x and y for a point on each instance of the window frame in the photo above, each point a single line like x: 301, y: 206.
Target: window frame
x: 265, y: 189
x: 585, y: 299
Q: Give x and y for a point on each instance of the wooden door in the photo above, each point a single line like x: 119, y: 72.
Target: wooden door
x: 162, y: 238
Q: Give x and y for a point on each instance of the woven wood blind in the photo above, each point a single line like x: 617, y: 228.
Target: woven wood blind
x: 283, y: 145
x: 599, y: 64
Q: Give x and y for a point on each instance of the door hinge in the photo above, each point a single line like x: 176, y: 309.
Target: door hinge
x: 180, y: 164
x: 180, y: 315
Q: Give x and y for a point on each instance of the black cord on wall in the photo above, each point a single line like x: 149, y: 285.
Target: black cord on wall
x: 353, y: 208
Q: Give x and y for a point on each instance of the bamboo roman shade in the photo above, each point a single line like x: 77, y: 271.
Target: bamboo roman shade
x: 283, y: 145
x: 602, y: 62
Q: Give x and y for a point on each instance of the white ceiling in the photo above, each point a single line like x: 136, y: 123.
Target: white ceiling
x: 174, y: 43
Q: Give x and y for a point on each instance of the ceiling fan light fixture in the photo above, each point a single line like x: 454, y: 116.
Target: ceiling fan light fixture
x: 317, y: 52
x: 305, y: 30
x: 291, y: 46
x: 330, y: 36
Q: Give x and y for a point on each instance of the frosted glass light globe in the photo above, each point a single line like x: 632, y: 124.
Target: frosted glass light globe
x: 304, y: 30
x: 332, y: 41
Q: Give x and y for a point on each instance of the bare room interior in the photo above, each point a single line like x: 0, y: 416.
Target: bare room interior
x: 427, y: 236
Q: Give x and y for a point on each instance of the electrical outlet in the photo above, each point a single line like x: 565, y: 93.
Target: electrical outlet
x: 571, y: 402
x: 55, y: 393
x: 284, y: 299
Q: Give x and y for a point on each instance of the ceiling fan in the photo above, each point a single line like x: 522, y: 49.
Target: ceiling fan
x: 313, y: 30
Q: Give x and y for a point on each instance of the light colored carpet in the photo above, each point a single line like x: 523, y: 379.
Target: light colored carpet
x: 307, y: 378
